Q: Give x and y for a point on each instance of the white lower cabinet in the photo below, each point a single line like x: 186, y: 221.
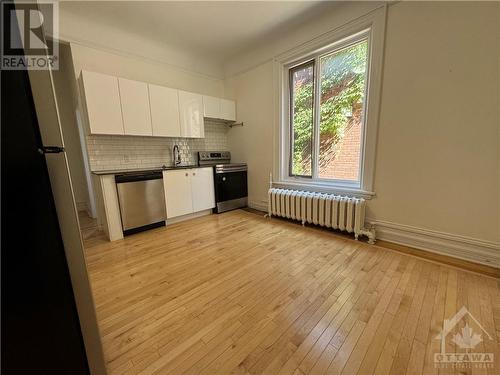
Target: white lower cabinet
x: 188, y: 191
x: 202, y: 189
x: 178, y: 197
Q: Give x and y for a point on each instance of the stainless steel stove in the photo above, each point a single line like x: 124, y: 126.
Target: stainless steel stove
x: 230, y: 180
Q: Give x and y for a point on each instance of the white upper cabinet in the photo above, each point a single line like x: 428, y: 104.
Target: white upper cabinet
x: 211, y: 106
x: 126, y: 107
x: 102, y: 99
x: 202, y: 188
x: 164, y: 103
x: 218, y: 108
x: 227, y: 110
x: 191, y: 115
x: 134, y: 98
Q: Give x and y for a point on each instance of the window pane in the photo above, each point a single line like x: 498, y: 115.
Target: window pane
x: 302, y: 104
x: 343, y: 80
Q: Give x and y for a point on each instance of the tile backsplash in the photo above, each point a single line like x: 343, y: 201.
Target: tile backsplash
x: 126, y: 152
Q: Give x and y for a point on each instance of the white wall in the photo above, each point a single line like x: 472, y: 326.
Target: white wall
x: 101, y: 48
x: 253, y: 142
x: 96, y: 34
x: 289, y: 38
x: 437, y: 163
x: 438, y: 160
x: 135, y: 67
x: 62, y: 83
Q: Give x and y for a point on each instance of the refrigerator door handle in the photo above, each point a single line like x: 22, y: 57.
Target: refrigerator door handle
x: 50, y: 150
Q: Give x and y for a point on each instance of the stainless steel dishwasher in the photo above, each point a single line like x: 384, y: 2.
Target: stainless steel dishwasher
x: 142, y: 200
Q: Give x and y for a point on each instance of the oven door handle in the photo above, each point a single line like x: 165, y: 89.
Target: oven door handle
x: 230, y: 169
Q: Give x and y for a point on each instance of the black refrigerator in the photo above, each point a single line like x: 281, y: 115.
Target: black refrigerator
x: 40, y: 326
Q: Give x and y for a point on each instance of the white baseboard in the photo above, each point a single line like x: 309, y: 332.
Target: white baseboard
x: 81, y: 206
x: 194, y: 215
x: 256, y: 205
x: 466, y: 248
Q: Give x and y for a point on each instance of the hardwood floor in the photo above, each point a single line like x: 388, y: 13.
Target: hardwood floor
x: 237, y: 293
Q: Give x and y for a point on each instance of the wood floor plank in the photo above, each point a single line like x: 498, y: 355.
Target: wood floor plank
x: 314, y: 326
x: 436, y: 325
x: 389, y: 351
x: 326, y: 347
x: 373, y: 323
x: 474, y: 307
x: 450, y: 309
x: 237, y: 293
x: 376, y: 346
x: 332, y: 318
x: 403, y: 352
x: 417, y: 355
x: 289, y: 324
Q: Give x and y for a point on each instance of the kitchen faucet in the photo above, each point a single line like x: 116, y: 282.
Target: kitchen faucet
x: 177, y: 156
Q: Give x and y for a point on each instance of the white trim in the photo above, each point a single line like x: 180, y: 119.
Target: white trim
x: 69, y: 39
x: 190, y: 216
x: 318, y: 187
x: 260, y: 206
x: 112, y: 220
x: 374, y: 21
x: 91, y: 205
x: 456, y: 246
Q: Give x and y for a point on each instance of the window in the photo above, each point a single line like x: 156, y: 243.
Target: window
x: 328, y: 102
x: 327, y: 96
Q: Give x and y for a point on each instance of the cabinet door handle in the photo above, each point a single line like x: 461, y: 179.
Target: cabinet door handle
x: 187, y: 174
x: 194, y: 174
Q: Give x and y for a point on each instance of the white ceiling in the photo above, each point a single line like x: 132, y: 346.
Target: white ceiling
x: 219, y: 30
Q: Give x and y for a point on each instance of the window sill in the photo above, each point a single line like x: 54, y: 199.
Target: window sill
x: 325, y: 188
